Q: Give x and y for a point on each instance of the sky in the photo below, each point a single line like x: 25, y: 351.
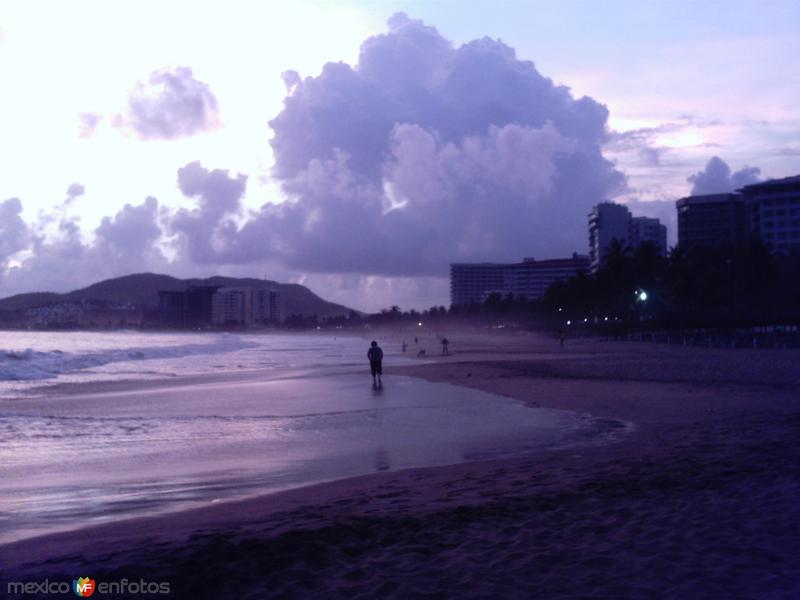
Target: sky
x: 360, y: 147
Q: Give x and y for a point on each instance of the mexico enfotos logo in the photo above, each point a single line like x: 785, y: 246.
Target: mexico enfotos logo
x: 83, y: 587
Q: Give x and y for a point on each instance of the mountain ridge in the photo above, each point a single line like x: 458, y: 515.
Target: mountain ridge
x: 142, y: 290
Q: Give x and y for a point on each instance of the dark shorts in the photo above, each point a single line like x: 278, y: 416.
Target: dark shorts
x: 375, y: 367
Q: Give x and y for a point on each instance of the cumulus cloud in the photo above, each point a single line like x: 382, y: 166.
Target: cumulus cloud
x: 14, y: 232
x: 87, y: 124
x: 717, y: 178
x: 74, y: 191
x: 171, y: 104
x: 218, y: 195
x: 421, y: 154
x: 62, y: 259
x: 128, y: 241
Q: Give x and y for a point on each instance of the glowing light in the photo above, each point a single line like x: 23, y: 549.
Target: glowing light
x: 643, y: 296
x: 569, y: 322
x: 419, y: 324
x: 684, y: 138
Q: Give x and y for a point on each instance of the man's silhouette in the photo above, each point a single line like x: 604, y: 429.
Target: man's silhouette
x: 375, y: 356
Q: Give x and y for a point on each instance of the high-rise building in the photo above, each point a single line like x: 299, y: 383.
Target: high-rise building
x: 245, y: 306
x: 609, y: 221
x: 651, y: 231
x: 773, y: 213
x: 232, y: 306
x: 712, y: 221
x: 469, y: 282
x: 186, y: 308
x: 472, y: 283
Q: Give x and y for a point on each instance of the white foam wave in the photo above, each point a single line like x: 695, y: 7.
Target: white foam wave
x: 29, y: 364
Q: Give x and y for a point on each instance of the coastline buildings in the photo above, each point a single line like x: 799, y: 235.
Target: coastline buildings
x: 769, y: 210
x: 200, y: 306
x: 711, y: 221
x: 774, y: 213
x: 186, y: 308
x: 472, y: 283
x: 650, y: 230
x: 245, y: 306
x: 609, y: 221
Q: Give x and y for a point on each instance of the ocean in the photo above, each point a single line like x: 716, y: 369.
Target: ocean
x: 199, y: 418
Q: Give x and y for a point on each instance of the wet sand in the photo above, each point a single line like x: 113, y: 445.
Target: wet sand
x: 699, y: 502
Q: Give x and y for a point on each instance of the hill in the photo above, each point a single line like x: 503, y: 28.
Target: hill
x: 142, y: 289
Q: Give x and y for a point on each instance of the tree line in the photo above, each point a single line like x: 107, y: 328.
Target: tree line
x: 634, y: 288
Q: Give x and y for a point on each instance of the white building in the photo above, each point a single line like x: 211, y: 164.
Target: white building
x: 646, y: 229
x: 245, y: 306
x: 609, y: 221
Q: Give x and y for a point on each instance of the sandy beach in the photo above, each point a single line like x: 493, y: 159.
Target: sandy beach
x: 700, y: 500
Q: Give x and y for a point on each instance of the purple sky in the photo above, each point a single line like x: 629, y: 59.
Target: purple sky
x: 360, y: 150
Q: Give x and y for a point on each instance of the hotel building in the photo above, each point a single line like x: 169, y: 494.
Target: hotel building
x: 472, y: 283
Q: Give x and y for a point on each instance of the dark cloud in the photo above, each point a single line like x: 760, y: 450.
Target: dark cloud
x: 171, y: 104
x: 421, y: 154
x: 717, y: 178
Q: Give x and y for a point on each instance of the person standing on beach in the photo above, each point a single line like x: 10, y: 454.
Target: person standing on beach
x: 445, y: 346
x: 375, y: 356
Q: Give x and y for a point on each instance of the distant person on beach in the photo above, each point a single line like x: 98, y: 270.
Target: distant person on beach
x: 375, y: 356
x: 404, y: 346
x: 416, y: 340
x: 445, y: 346
x: 562, y: 335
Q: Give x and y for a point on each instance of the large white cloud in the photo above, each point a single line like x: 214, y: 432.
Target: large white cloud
x: 14, y: 232
x: 421, y: 154
x: 172, y: 103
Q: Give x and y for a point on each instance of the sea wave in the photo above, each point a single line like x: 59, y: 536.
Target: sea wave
x: 29, y: 364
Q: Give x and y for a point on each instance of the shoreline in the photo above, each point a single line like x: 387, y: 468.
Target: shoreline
x: 690, y: 431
